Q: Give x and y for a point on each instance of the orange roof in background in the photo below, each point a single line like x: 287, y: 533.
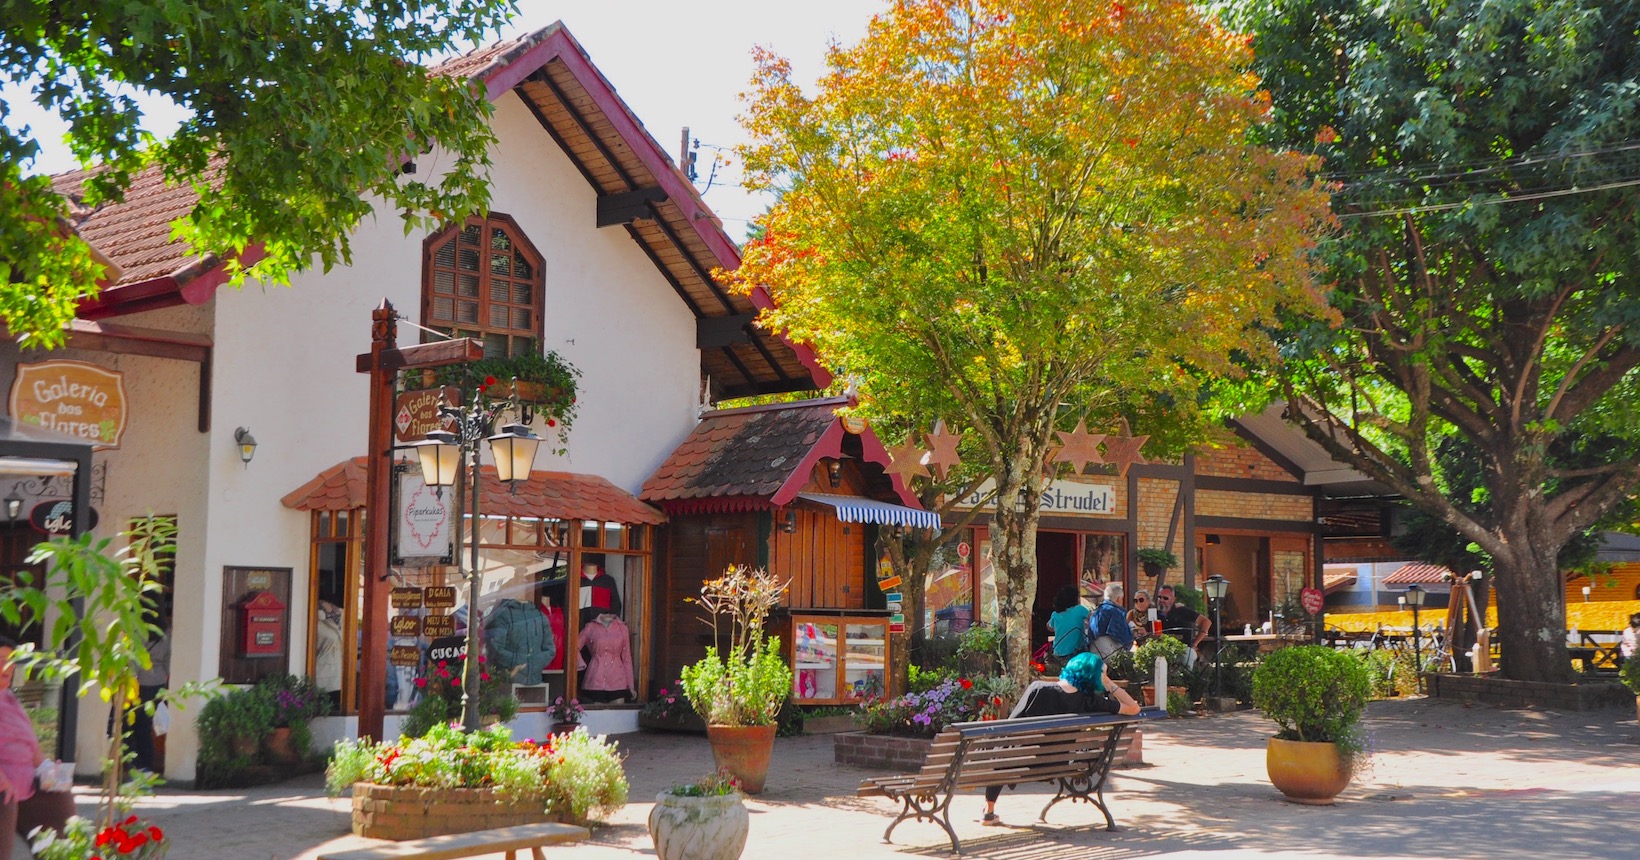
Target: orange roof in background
x: 553, y: 495
x: 1417, y: 572
x: 1331, y: 582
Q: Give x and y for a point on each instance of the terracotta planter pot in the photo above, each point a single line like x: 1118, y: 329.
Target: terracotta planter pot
x: 743, y: 751
x: 699, y: 828
x: 1308, y: 773
x: 279, y: 747
x: 1150, y: 695
x: 245, y: 745
x: 564, y: 728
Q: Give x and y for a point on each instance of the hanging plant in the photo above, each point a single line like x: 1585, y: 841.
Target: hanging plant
x: 544, y: 381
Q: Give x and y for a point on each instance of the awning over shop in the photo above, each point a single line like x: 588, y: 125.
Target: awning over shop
x: 549, y: 495
x: 858, y: 509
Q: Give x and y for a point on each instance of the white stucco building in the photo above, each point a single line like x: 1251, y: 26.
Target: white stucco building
x: 618, y: 285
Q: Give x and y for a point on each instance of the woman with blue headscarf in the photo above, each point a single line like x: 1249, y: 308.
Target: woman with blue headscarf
x: 1082, y: 688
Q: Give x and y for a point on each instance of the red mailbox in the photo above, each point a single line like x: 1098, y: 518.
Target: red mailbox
x: 262, y: 626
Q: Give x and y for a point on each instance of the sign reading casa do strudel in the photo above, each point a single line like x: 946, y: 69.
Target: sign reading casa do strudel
x: 71, y: 398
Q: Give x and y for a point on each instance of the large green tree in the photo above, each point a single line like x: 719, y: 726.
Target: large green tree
x: 300, y: 115
x: 1484, y: 155
x: 1015, y: 214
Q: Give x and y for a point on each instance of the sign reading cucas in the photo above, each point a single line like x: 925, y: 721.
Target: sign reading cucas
x: 73, y: 398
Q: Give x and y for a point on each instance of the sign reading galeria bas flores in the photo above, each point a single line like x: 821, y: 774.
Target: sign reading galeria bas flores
x: 1059, y: 498
x: 72, y: 398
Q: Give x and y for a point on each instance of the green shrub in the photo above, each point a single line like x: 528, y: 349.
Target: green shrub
x: 736, y: 690
x: 1144, y: 658
x: 1630, y: 673
x: 981, y: 650
x: 1178, y: 704
x: 440, y: 698
x: 1313, y: 693
x: 243, y: 712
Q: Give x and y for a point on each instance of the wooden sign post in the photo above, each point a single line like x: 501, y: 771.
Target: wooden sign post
x: 383, y: 363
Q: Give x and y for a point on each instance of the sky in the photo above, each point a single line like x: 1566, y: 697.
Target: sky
x: 675, y: 64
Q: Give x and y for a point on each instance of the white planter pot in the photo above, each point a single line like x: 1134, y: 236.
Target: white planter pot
x: 699, y: 828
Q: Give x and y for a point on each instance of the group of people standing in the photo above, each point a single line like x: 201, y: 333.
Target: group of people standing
x: 1110, y: 627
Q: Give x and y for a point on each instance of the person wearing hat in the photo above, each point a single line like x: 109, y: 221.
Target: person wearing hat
x: 1082, y: 688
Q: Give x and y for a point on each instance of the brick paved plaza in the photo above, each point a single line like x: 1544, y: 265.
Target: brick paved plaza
x: 1446, y: 780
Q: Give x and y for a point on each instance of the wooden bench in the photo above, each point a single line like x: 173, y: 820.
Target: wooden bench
x: 502, y: 839
x: 1074, y: 750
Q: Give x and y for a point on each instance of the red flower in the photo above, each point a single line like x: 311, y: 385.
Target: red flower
x: 421, y: 682
x: 996, y: 700
x: 551, y: 423
x: 155, y: 833
x: 489, y: 380
x: 967, y: 684
x: 484, y: 676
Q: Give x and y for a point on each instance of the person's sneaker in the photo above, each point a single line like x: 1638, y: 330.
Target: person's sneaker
x: 991, y: 819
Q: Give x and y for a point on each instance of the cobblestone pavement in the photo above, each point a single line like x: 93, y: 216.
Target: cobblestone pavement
x: 1446, y: 780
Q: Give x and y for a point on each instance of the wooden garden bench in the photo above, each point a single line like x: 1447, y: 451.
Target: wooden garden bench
x: 510, y: 840
x: 1074, y: 750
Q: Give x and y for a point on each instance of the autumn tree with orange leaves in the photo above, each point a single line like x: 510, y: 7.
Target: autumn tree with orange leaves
x: 1018, y: 215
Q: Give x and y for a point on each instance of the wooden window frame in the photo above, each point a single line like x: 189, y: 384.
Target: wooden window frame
x: 482, y: 328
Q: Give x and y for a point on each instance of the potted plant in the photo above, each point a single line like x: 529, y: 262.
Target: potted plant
x: 231, y: 727
x: 702, y: 820
x: 670, y: 711
x: 1316, y: 696
x: 1155, y: 560
x: 565, y: 715
x: 544, y: 380
x: 739, y: 693
x: 296, y: 701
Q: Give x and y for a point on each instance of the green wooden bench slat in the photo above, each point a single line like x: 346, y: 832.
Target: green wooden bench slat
x: 502, y: 839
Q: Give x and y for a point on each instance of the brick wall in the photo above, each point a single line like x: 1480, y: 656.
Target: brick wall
x: 400, y: 813
x: 1240, y: 462
x: 1257, y: 506
x: 880, y: 752
x: 1591, y: 696
x: 1157, y: 496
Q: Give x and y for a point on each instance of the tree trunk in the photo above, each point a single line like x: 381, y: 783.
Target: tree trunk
x: 1532, y: 616
x: 1019, y: 489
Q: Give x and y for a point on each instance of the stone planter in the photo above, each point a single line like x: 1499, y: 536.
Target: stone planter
x: 880, y: 752
x: 1150, y: 695
x: 699, y: 828
x: 409, y: 812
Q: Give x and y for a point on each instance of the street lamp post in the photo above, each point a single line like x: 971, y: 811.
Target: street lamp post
x: 1415, y: 599
x: 452, y: 459
x: 1216, y: 586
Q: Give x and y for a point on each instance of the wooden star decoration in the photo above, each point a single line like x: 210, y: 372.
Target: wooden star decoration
x: 942, y: 453
x: 1123, y: 451
x: 907, y: 461
x: 1079, y: 448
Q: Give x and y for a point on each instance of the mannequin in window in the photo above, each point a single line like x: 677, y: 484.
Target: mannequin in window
x: 519, y: 640
x: 608, y: 644
x: 555, y: 621
x: 599, y: 593
x: 327, y: 652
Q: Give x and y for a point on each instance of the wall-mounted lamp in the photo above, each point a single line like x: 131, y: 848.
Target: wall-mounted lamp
x: 834, y: 473
x: 789, y: 525
x: 1213, y: 540
x: 247, y: 444
x: 1586, y: 590
x: 14, y: 505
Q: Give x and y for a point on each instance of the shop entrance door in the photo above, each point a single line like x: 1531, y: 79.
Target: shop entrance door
x: 1055, y: 569
x: 17, y: 540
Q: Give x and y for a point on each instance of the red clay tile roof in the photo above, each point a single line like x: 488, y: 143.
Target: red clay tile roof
x: 1331, y: 582
x: 745, y: 454
x: 338, y: 488
x: 1416, y: 572
x: 560, y: 495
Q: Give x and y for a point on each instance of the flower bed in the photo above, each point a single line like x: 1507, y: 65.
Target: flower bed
x: 447, y: 774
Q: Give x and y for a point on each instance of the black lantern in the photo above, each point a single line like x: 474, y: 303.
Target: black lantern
x: 1415, y: 599
x: 1216, y: 587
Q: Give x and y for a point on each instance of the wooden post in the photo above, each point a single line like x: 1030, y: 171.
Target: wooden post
x: 383, y: 363
x: 372, y: 683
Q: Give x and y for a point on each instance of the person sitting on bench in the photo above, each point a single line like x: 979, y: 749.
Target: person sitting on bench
x: 1082, y: 688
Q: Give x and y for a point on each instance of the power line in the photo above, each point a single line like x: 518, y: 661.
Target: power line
x: 1502, y: 198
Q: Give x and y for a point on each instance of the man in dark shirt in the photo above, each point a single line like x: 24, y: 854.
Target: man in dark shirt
x: 1180, y: 621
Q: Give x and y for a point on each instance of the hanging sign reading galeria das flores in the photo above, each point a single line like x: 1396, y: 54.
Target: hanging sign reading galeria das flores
x: 72, y: 398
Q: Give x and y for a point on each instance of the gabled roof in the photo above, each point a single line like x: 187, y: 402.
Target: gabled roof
x: 552, y: 495
x: 578, y: 109
x: 760, y: 457
x: 1418, y: 573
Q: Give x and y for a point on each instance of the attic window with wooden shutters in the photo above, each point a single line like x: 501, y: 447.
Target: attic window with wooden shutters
x: 483, y: 279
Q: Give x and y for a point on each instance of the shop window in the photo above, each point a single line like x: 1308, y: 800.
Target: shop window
x: 483, y: 279
x: 611, y: 594
x: 335, y: 606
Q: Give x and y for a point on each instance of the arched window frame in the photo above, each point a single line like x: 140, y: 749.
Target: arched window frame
x: 496, y: 292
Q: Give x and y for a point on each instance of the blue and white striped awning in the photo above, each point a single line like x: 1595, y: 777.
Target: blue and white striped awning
x: 858, y: 509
